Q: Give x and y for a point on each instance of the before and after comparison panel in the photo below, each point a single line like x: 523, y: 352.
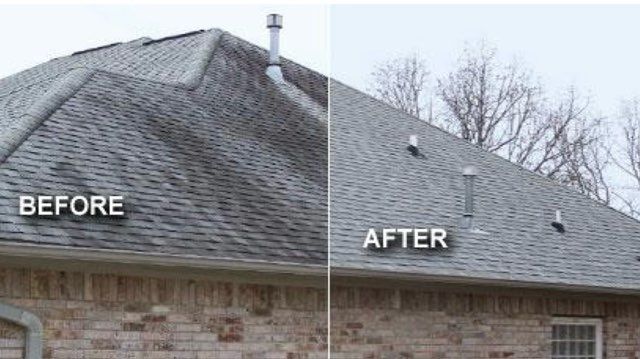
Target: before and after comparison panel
x: 322, y: 180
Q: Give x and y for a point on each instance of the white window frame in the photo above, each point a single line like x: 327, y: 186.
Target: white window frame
x: 597, y: 322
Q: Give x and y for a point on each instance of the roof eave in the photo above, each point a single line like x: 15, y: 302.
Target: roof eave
x: 158, y: 259
x: 464, y: 280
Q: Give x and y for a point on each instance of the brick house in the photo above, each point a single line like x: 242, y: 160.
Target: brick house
x: 221, y: 252
x: 533, y: 269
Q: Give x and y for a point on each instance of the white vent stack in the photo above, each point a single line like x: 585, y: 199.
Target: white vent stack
x: 413, y: 141
x: 558, y: 216
x: 274, y: 24
x: 469, y: 173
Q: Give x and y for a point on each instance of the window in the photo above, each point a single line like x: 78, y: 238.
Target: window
x: 576, y: 338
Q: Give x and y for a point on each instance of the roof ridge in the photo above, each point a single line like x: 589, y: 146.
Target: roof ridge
x: 194, y: 77
x: 190, y: 79
x: 20, y: 129
x: 482, y: 150
x: 37, y: 80
x: 72, y: 81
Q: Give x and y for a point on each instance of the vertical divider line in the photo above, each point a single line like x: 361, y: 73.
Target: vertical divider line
x: 328, y: 44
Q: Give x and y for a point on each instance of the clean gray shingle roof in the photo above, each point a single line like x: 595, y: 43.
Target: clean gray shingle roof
x: 213, y: 158
x: 376, y: 183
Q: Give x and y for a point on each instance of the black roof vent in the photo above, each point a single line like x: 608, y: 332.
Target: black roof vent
x: 413, y: 146
x: 557, y: 224
x: 173, y: 37
x: 96, y: 48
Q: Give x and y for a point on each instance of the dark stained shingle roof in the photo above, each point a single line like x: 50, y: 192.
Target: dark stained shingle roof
x: 213, y: 158
x: 376, y: 183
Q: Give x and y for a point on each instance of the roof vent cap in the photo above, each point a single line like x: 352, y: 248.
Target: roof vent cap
x: 274, y: 24
x: 557, y: 224
x: 274, y: 20
x: 413, y: 146
x: 469, y: 170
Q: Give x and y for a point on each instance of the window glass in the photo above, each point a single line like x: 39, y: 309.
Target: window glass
x: 573, y: 340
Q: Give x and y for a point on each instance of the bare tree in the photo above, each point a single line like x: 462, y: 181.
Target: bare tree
x: 629, y: 160
x: 566, y: 142
x: 402, y: 83
x: 500, y: 108
x: 488, y: 103
x: 631, y: 130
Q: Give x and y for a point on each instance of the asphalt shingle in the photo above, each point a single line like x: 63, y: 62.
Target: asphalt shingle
x: 213, y: 158
x: 377, y: 183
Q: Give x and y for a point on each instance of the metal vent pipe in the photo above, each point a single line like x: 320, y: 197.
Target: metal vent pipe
x: 469, y: 173
x: 274, y: 24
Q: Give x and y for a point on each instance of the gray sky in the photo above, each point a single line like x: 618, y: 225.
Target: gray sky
x: 594, y: 47
x: 33, y: 34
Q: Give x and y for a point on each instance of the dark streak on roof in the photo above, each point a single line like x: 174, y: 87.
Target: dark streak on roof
x: 214, y: 160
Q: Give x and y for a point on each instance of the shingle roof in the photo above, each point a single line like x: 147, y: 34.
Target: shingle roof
x: 213, y: 158
x: 376, y: 183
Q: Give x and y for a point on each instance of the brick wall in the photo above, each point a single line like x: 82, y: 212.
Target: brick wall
x: 96, y: 315
x: 11, y: 341
x: 404, y: 323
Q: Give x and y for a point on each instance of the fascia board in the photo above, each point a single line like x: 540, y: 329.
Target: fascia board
x: 159, y: 259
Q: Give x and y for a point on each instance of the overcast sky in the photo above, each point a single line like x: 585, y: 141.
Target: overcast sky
x: 33, y: 34
x: 594, y: 47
